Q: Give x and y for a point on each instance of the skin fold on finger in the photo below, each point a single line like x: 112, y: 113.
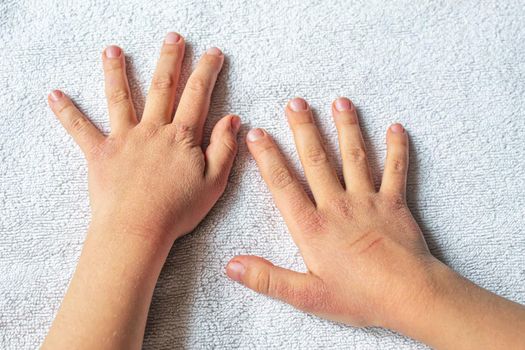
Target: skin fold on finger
x: 356, y: 170
x: 195, y: 100
x: 120, y: 105
x: 85, y: 134
x: 320, y: 174
x: 396, y: 164
x: 288, y: 194
x: 161, y: 96
x: 222, y: 149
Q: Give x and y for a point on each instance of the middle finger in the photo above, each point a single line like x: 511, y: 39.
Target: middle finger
x: 320, y: 174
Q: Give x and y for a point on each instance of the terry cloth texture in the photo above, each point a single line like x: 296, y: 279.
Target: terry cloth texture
x: 451, y: 71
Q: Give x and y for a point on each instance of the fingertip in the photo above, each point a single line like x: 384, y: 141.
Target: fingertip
x: 235, y: 123
x: 397, y: 128
x: 214, y: 51
x: 298, y: 104
x: 174, y: 44
x: 173, y: 38
x: 342, y: 104
x: 344, y: 112
x: 397, y: 133
x: 112, y: 51
x: 298, y: 112
x: 55, y: 95
x: 213, y: 57
x: 226, y: 126
x: 255, y: 135
x: 229, y: 124
x: 235, y: 269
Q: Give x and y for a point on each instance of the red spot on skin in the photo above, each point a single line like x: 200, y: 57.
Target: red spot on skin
x: 373, y: 243
x: 360, y: 239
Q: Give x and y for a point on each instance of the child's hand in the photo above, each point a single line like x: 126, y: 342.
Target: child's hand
x: 149, y: 183
x: 365, y: 253
x: 368, y: 264
x: 151, y: 177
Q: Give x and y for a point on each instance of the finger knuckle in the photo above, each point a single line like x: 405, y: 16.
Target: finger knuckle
x: 398, y: 166
x: 308, y: 219
x: 280, y: 177
x: 185, y: 135
x: 170, y: 134
x: 163, y: 82
x: 315, y: 156
x: 198, y: 85
x: 342, y: 207
x: 119, y: 96
x: 355, y: 154
x: 262, y: 281
x: 79, y: 125
x: 149, y: 130
x: 396, y: 202
x: 311, y: 221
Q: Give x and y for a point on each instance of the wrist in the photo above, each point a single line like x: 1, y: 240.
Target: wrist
x: 453, y: 312
x: 139, y: 249
x: 424, y: 301
x: 114, y: 280
x: 116, y: 258
x: 114, y: 228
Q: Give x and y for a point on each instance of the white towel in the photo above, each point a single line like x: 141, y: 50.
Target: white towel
x: 451, y: 71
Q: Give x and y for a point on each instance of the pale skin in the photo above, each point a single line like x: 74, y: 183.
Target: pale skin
x: 151, y: 182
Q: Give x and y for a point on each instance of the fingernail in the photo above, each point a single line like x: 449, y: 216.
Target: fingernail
x: 113, y: 51
x: 298, y: 105
x: 343, y: 104
x: 55, y: 95
x: 397, y: 128
x: 236, y: 123
x: 214, y: 51
x: 172, y: 38
x: 255, y: 134
x: 235, y: 270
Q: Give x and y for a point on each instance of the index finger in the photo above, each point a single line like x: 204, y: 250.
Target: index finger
x: 288, y: 194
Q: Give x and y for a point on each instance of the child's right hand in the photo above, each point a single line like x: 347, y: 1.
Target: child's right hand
x: 368, y: 263
x: 153, y: 178
x: 150, y: 182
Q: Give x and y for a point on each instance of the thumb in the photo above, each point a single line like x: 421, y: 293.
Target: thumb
x: 85, y: 134
x: 300, y: 290
x: 222, y: 148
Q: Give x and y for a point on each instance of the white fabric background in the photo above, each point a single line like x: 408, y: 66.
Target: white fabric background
x: 451, y: 71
